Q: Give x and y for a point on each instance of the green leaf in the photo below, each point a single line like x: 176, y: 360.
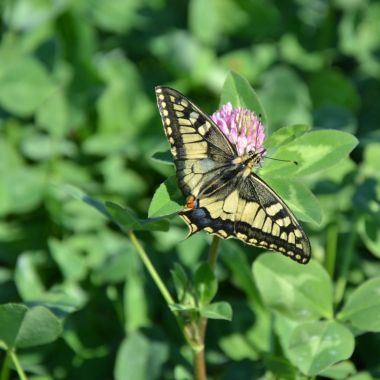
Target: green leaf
x: 236, y: 260
x: 207, y: 19
x: 27, y: 277
x: 361, y: 376
x: 40, y: 146
x: 24, y: 84
x: 217, y: 310
x: 11, y: 318
x: 336, y: 117
x: 53, y: 115
x: 181, y: 281
x: 239, y: 92
x: 79, y: 194
x: 118, y: 16
x: 26, y: 15
x: 205, y: 284
x: 127, y: 220
x: 285, y: 135
x: 238, y: 347
x: 190, y: 250
x: 197, y: 60
x: 332, y: 87
x: 140, y: 359
x: 283, y: 327
x: 286, y: 98
x: 27, y: 327
x: 279, y: 367
x: 369, y: 230
x: 294, y: 53
x: 123, y: 107
x: 362, y: 307
x: 40, y: 326
x: 262, y: 54
x: 124, y: 218
x: 371, y: 158
x: 116, y: 267
x: 21, y: 189
x: 70, y: 259
x: 300, y: 292
x: 339, y: 371
x: 163, y: 157
x: 298, y: 197
x: 118, y: 179
x: 63, y: 298
x: 182, y: 308
x: 166, y: 200
x: 314, y: 151
x: 314, y: 346
x: 182, y: 373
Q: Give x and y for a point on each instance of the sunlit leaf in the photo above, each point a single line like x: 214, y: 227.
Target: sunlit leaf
x: 362, y: 307
x: 314, y: 346
x: 300, y: 292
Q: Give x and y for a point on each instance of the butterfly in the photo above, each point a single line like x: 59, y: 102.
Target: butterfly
x: 224, y: 196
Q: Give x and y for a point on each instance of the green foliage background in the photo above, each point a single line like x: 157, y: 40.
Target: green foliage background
x: 77, y: 107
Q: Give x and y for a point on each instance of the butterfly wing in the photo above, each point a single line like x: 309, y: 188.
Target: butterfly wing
x: 263, y: 219
x: 251, y: 211
x: 200, y: 150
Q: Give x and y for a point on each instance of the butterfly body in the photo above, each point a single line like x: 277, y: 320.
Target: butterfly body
x: 224, y: 196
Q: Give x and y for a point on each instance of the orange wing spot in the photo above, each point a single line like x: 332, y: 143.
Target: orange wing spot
x: 190, y: 201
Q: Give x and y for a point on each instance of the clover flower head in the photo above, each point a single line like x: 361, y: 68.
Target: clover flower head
x: 242, y: 127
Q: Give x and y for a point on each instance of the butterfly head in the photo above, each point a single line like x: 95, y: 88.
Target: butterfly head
x: 256, y: 156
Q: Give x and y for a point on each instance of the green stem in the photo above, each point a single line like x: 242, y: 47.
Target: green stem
x: 345, y: 267
x: 187, y: 330
x: 5, y: 370
x: 199, y: 356
x: 151, y: 269
x: 213, y: 253
x: 331, y: 246
x: 18, y: 367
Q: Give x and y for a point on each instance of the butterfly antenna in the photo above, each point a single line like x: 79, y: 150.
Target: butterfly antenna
x: 279, y: 159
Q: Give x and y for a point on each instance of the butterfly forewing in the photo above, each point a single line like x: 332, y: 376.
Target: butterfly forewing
x: 199, y: 148
x: 227, y: 203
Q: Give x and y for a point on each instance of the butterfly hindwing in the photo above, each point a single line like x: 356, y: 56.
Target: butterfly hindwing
x: 251, y: 211
x: 266, y: 221
x: 224, y: 200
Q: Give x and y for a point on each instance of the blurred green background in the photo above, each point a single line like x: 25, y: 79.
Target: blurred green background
x: 77, y: 107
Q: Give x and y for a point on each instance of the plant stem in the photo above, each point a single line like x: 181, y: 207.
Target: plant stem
x: 187, y: 333
x: 199, y: 356
x: 213, y: 253
x: 17, y: 365
x: 151, y: 269
x: 5, y: 367
x: 331, y: 246
x: 347, y: 258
